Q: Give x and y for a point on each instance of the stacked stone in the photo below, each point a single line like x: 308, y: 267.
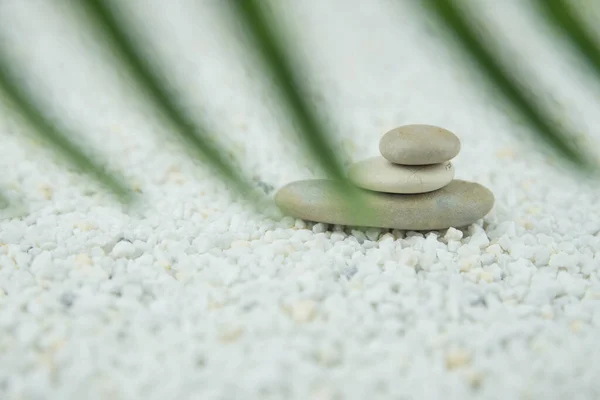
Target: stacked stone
x: 411, y: 186
x: 414, y: 159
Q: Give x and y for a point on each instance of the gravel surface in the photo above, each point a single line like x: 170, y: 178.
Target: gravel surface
x: 192, y: 296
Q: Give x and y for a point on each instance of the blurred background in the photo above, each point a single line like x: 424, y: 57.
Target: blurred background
x: 358, y: 70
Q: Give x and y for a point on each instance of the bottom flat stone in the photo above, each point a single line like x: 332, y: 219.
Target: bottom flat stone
x: 458, y: 204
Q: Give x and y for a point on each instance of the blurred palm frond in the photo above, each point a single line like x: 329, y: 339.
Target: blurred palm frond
x: 267, y: 38
x: 3, y: 201
x: 562, y: 17
x: 194, y: 134
x: 278, y: 66
x: 460, y: 24
x: 24, y: 104
x: 267, y: 44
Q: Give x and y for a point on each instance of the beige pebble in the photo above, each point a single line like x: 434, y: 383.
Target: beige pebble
x: 457, y: 358
x: 419, y: 145
x: 457, y: 204
x: 83, y: 259
x: 229, y: 334
x: 304, y: 311
x: 380, y: 175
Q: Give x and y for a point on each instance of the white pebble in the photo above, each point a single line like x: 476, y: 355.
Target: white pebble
x: 299, y: 224
x: 319, y: 228
x: 453, y: 245
x: 42, y: 264
x: 304, y: 311
x: 373, y: 234
x: 123, y: 249
x: 480, y: 240
x: 453, y: 234
x: 542, y: 256
x: 337, y: 237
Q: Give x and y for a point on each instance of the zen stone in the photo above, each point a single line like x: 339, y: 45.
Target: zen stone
x: 458, y: 204
x: 419, y: 145
x: 380, y: 175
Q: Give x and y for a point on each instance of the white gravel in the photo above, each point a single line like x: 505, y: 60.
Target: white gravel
x: 194, y: 297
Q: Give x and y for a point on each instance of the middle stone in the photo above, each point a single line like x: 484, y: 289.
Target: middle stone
x: 380, y: 175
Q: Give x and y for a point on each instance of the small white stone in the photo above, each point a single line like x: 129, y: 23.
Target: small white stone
x: 304, y: 311
x: 131, y: 290
x: 468, y: 250
x: 487, y: 259
x: 453, y: 245
x: 409, y: 257
x: 42, y: 264
x: 359, y: 235
x: 386, y: 237
x: 480, y: 239
x: 299, y: 224
x: 324, y: 393
x: 373, y: 234
x: 123, y: 249
x: 542, y: 256
x: 561, y: 260
x: 507, y: 228
x: 83, y: 260
x: 468, y: 263
x: 494, y: 249
x: 573, y: 286
x: 456, y: 358
x: 453, y: 234
x: 319, y: 228
x: 328, y: 355
x: 505, y: 242
x: 229, y: 333
x: 337, y: 237
x: 494, y: 271
x: 22, y: 259
x: 239, y: 244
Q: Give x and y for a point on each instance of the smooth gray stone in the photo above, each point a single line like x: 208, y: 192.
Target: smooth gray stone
x: 458, y: 204
x: 419, y: 145
x: 380, y: 175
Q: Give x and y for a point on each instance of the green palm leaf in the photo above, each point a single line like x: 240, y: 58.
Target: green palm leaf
x: 48, y: 131
x: 562, y: 17
x: 4, y: 203
x: 269, y: 45
x: 279, y: 67
x: 456, y: 22
x: 155, y: 88
x: 315, y: 136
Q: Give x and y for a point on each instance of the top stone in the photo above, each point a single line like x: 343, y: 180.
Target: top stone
x: 419, y: 145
